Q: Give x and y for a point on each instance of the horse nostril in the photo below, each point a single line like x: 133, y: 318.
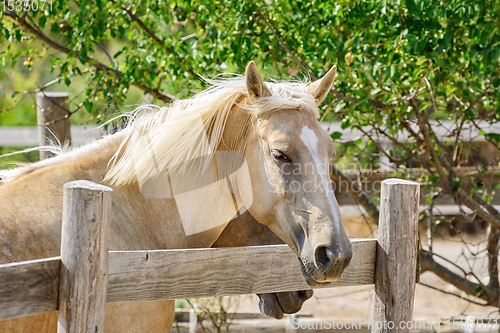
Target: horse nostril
x: 324, y: 257
x: 327, y: 258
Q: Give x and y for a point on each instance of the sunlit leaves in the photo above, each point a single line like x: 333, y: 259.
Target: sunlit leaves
x: 383, y: 50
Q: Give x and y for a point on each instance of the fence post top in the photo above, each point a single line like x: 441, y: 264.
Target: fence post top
x: 87, y: 185
x: 397, y: 181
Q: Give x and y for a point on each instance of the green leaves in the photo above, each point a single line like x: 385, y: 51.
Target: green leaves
x: 336, y: 135
x: 495, y: 137
x: 383, y: 49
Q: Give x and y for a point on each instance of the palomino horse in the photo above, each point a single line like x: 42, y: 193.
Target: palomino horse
x: 157, y: 204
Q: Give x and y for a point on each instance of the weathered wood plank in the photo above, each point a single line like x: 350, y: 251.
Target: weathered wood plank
x: 84, y: 257
x: 29, y: 287
x: 397, y: 252
x: 193, y: 273
x: 153, y: 275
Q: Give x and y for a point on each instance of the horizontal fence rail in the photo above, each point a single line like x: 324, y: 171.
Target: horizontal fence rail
x: 31, y: 287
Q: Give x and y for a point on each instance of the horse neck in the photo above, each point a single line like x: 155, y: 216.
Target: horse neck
x: 91, y: 157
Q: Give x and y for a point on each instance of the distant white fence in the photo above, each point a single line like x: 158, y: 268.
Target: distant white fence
x: 28, y: 136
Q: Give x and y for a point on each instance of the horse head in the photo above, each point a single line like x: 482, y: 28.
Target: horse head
x: 288, y: 155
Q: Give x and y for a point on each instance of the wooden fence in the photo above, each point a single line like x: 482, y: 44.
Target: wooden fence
x: 86, y: 275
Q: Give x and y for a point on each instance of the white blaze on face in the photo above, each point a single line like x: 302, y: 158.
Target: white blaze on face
x: 310, y: 140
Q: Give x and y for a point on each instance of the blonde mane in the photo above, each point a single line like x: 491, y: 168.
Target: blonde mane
x: 193, y: 128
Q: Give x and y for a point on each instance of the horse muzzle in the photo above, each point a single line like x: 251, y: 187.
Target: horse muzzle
x: 326, y: 264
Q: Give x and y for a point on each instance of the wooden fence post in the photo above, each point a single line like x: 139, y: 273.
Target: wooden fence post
x: 51, y: 107
x: 397, y: 251
x: 84, y: 257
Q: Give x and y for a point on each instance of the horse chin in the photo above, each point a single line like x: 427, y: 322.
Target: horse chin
x: 269, y: 306
x: 275, y: 305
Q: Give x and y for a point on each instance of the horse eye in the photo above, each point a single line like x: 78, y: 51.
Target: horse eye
x: 279, y: 156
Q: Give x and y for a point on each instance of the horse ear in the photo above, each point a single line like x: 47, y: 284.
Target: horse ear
x: 320, y: 88
x: 255, y: 86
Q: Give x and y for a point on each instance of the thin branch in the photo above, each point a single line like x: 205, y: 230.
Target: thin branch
x: 494, y: 143
x: 452, y: 294
x: 444, y: 152
x: 429, y: 224
x: 449, y: 261
x: 432, y: 95
x: 394, y: 141
x: 471, y: 268
x: 361, y: 197
x: 466, y: 200
x: 430, y: 148
x: 143, y: 26
x: 39, y: 34
x: 379, y: 146
x: 454, y: 150
x: 66, y: 116
x: 107, y: 54
x: 492, y: 247
x: 15, y: 104
x: 427, y: 263
x: 282, y: 44
x: 68, y: 112
x: 410, y: 130
x: 186, y: 21
x: 55, y: 81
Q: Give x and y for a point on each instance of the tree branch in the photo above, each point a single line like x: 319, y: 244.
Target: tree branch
x: 99, y: 66
x: 55, y: 81
x: 107, y: 54
x: 477, y: 205
x: 464, y: 198
x: 299, y: 63
x: 451, y: 294
x: 430, y: 148
x: 361, y: 197
x: 283, y: 46
x: 377, y: 144
x: 427, y: 263
x: 492, y: 247
x: 454, y: 150
x: 143, y: 26
x: 39, y: 34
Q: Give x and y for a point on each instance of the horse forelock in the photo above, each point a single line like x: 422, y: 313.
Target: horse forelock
x: 193, y: 128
